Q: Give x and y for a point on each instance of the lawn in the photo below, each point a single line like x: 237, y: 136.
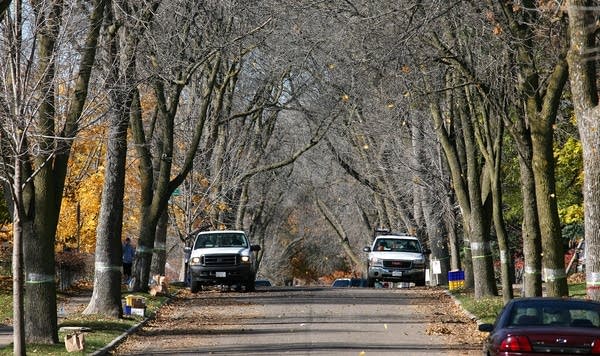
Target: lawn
x: 5, y: 308
x: 103, y: 330
x: 486, y: 309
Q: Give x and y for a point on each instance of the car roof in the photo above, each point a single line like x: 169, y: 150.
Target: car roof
x: 404, y: 237
x: 539, y: 300
x: 221, y: 232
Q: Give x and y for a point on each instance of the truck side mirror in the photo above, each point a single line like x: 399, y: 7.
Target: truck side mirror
x: 187, y: 251
x: 255, y: 248
x: 366, y: 249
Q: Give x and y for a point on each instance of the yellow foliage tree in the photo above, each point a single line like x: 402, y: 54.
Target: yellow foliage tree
x: 569, y: 181
x: 83, y: 188
x: 83, y: 192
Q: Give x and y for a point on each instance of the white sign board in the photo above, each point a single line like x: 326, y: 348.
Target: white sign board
x: 436, y: 266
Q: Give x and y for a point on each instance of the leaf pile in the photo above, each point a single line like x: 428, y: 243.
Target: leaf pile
x: 452, y: 321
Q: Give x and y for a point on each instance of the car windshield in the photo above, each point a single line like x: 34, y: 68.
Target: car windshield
x: 341, y: 283
x: 559, y: 313
x: 397, y: 245
x: 220, y: 240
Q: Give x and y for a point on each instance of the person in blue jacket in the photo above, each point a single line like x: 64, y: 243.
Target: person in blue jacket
x: 128, y: 254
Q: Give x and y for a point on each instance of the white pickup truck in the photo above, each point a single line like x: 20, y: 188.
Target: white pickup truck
x: 222, y: 258
x: 396, y: 258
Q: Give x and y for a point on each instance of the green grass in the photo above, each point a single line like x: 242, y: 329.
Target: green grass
x: 487, y: 309
x: 104, y: 330
x: 577, y: 290
x: 5, y: 307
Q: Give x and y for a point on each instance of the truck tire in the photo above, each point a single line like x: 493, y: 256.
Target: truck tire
x: 195, y: 286
x: 370, y: 282
x: 250, y: 284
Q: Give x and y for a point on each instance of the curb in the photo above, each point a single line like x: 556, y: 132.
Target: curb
x: 465, y: 311
x: 119, y: 339
x: 111, y: 345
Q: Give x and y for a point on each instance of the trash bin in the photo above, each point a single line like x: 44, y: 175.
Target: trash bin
x: 456, y: 279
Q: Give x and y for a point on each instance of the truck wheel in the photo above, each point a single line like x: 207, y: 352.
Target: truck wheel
x: 250, y: 284
x: 420, y: 282
x: 195, y: 287
x: 370, y: 282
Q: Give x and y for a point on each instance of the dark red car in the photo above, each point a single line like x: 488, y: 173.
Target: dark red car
x: 545, y: 326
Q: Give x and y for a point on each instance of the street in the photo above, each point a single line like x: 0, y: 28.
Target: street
x: 305, y: 321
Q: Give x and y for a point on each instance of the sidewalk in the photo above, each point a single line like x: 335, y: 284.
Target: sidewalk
x: 6, y: 335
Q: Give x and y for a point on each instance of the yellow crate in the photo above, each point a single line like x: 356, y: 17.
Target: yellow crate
x: 135, y: 301
x: 456, y: 284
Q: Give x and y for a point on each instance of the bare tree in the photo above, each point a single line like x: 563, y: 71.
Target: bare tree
x: 541, y: 88
x: 583, y: 16
x: 44, y: 131
x: 121, y: 57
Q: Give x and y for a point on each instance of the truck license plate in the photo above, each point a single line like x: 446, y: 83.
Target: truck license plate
x: 396, y: 273
x: 221, y: 274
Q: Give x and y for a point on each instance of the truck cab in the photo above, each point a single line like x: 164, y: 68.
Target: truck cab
x: 396, y: 258
x: 222, y: 258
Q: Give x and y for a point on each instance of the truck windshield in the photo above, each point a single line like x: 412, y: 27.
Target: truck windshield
x: 220, y: 240
x: 397, y: 245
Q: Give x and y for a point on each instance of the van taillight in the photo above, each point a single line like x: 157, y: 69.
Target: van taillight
x: 515, y: 343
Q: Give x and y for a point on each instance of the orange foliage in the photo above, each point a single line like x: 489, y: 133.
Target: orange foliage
x: 6, y: 233
x: 83, y: 191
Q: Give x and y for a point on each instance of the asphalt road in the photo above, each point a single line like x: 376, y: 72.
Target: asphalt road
x: 295, y: 321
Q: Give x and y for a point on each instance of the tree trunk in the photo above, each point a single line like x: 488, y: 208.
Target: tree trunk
x: 479, y: 200
x: 450, y: 227
x: 42, y: 199
x: 426, y: 207
x: 541, y: 104
x: 106, y: 297
x: 545, y: 188
x: 357, y: 263
x: 483, y: 268
x: 437, y: 242
x: 583, y: 77
x: 19, y: 346
x: 216, y: 174
x: 490, y: 136
x: 506, y: 262
x: 532, y: 238
x: 156, y: 191
x: 242, y: 204
x: 40, y: 290
x: 159, y: 258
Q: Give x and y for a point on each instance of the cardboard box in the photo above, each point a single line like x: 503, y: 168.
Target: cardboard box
x: 138, y: 311
x: 159, y: 285
x: 75, y: 342
x: 135, y: 301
